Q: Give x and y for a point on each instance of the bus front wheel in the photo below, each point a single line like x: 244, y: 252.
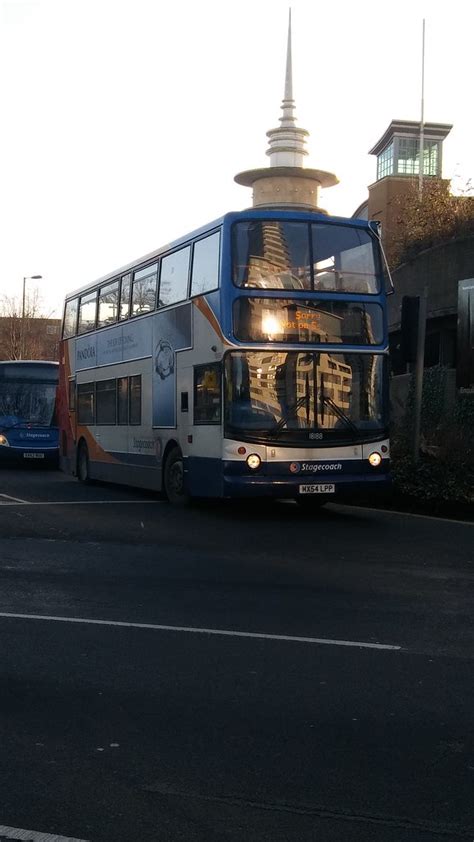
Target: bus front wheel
x: 83, y: 463
x: 173, y: 478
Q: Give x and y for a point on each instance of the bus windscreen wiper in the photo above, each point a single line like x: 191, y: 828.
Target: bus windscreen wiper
x: 339, y: 413
x: 292, y: 410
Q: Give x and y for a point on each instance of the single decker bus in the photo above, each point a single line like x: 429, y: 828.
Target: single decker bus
x: 28, y: 424
x: 247, y: 359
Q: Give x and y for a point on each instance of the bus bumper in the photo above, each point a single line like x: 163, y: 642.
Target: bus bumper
x: 345, y: 487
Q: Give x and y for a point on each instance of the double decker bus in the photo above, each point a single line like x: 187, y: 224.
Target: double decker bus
x: 28, y: 424
x: 248, y: 359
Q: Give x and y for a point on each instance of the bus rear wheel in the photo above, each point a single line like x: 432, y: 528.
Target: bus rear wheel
x: 173, y: 478
x: 83, y: 464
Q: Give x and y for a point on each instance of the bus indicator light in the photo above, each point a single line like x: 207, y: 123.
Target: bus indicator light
x: 242, y: 451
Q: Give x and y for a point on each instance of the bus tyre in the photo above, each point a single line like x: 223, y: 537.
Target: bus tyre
x: 83, y: 463
x: 173, y: 478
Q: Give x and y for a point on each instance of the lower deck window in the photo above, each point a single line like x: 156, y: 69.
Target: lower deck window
x: 106, y: 401
x: 85, y: 403
x: 207, y: 394
x: 136, y: 399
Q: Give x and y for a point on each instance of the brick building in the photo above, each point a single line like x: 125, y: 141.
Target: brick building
x: 29, y: 338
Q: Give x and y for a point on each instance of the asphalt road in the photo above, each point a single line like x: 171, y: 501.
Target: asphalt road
x: 231, y: 672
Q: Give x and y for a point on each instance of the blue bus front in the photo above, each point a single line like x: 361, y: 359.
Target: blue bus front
x: 28, y: 426
x: 306, y: 383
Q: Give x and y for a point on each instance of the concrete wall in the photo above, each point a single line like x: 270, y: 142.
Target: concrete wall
x: 440, y: 268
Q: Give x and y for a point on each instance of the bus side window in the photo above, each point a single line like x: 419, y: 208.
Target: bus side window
x: 72, y: 395
x: 207, y: 394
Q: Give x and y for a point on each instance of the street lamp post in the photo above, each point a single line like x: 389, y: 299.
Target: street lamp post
x: 25, y: 279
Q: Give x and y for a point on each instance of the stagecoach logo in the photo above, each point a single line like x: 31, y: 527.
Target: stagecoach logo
x: 314, y: 467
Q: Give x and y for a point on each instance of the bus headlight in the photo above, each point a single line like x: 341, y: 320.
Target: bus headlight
x: 4, y: 441
x: 375, y: 459
x: 254, y: 461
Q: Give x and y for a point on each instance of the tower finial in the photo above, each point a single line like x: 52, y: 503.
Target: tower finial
x: 286, y: 183
x: 289, y: 71
x: 287, y: 143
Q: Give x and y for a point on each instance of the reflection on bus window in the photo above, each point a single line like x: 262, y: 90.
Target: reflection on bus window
x: 87, y: 312
x: 271, y: 254
x: 301, y: 320
x: 144, y: 290
x: 174, y: 277
x: 108, y: 304
x: 205, y: 273
x: 294, y: 392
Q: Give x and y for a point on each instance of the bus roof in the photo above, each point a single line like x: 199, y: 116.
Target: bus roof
x: 229, y: 218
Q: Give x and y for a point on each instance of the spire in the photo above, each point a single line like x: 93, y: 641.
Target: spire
x: 288, y: 98
x: 286, y: 183
x: 286, y: 147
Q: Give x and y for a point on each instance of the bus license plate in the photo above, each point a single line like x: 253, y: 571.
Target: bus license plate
x: 33, y: 456
x: 321, y: 488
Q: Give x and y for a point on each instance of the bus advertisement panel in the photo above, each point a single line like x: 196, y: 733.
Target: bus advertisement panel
x: 248, y: 359
x: 28, y: 424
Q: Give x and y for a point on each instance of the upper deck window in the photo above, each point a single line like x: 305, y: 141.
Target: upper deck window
x: 108, y: 304
x: 300, y: 321
x: 87, y: 312
x: 205, y: 273
x: 299, y: 256
x: 70, y: 318
x: 272, y: 255
x: 343, y: 259
x: 125, y: 297
x: 144, y: 290
x: 174, y: 277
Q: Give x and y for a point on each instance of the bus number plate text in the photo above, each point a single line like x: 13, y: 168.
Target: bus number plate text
x: 33, y: 456
x: 321, y: 488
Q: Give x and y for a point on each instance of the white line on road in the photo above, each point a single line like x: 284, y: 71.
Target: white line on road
x: 221, y: 632
x: 15, y: 499
x: 76, y: 502
x: 34, y: 835
x: 407, y: 514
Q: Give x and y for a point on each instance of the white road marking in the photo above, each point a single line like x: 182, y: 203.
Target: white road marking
x: 406, y: 514
x: 189, y: 630
x: 15, y: 499
x: 76, y: 502
x: 34, y: 835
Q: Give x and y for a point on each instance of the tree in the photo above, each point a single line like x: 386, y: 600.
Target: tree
x: 25, y: 338
x: 429, y: 219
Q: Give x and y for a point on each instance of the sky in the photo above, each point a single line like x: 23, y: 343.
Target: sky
x: 125, y: 121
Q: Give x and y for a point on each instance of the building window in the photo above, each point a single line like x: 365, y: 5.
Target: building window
x: 409, y: 156
x: 385, y: 162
